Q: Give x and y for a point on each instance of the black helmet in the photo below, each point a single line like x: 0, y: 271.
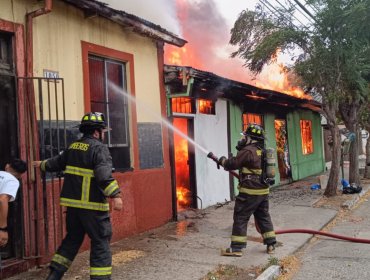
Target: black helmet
x: 254, y: 131
x: 92, y: 120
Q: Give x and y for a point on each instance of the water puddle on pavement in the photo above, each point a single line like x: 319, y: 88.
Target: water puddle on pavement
x: 183, y: 227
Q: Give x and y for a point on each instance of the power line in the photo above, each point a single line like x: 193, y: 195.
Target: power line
x: 300, y: 11
x: 292, y: 14
x: 276, y: 10
x: 305, y: 9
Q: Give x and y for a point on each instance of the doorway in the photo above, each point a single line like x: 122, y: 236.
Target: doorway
x: 282, y: 150
x: 184, y: 165
x: 9, y: 139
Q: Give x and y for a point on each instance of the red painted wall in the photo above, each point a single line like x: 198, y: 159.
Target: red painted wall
x: 146, y: 193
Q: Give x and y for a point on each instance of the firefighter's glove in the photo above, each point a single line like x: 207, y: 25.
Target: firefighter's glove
x: 221, y: 161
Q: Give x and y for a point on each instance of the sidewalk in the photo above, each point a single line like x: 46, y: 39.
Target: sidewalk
x: 190, y: 248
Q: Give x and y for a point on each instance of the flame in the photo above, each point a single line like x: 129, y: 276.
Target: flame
x: 183, y: 196
x: 208, y: 49
x: 205, y: 106
x: 181, y: 147
x: 275, y: 78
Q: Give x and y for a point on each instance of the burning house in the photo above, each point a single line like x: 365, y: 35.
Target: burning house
x: 58, y: 60
x: 213, y: 110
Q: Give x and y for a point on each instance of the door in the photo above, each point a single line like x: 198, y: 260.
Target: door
x: 184, y: 164
x: 282, y: 150
x: 9, y: 139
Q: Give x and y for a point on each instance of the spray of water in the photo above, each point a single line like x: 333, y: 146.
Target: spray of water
x: 157, y: 116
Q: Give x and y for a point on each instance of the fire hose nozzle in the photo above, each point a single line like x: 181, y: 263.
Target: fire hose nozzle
x: 212, y: 156
x: 215, y: 159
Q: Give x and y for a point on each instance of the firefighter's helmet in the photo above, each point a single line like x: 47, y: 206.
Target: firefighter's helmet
x: 255, y: 131
x: 92, y: 120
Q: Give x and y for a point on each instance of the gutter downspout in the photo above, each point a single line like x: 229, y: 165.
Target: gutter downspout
x: 35, y: 230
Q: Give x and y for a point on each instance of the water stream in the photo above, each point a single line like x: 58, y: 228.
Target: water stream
x: 157, y: 116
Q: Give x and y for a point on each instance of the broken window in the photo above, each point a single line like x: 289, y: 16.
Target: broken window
x: 108, y: 95
x: 251, y: 118
x: 206, y: 107
x: 306, y: 135
x: 183, y: 105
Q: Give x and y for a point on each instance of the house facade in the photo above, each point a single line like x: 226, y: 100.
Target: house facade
x: 220, y: 109
x: 60, y: 59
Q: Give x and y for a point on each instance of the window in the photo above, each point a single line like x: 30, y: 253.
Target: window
x: 183, y: 105
x: 206, y: 107
x: 251, y: 118
x: 108, y: 95
x: 306, y: 134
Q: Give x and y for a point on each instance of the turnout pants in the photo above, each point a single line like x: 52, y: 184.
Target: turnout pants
x: 245, y: 206
x: 97, y: 225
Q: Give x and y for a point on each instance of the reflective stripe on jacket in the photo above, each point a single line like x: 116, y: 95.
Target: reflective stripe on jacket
x: 88, y: 180
x: 249, y: 163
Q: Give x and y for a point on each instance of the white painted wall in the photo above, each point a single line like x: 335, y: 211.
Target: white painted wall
x: 210, y: 131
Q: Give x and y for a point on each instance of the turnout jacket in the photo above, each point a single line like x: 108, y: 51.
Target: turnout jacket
x: 88, y: 180
x: 248, y: 161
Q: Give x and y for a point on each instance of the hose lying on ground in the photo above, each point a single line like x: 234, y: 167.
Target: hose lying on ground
x: 298, y: 230
x: 310, y: 231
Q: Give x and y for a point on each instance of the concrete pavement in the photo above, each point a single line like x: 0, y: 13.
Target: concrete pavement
x: 331, y: 259
x: 190, y: 248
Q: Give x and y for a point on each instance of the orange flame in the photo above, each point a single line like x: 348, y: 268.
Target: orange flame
x: 183, y: 196
x: 275, y: 78
x: 181, y: 164
x: 207, y: 49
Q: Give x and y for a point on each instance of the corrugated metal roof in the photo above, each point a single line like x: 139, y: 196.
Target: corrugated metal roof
x: 138, y: 25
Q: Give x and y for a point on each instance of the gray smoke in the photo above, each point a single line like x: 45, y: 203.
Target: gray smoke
x: 161, y: 12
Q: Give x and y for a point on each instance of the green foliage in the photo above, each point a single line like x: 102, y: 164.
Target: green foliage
x: 271, y: 261
x: 335, y: 58
x: 259, y: 36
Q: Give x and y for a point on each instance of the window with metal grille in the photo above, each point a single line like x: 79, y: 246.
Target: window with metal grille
x: 206, y: 107
x: 108, y: 95
x: 306, y: 135
x: 183, y: 105
x: 248, y: 118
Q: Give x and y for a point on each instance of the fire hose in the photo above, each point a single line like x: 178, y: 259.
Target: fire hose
x: 296, y: 230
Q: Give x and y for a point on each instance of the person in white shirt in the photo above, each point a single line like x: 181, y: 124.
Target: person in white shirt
x: 9, y: 185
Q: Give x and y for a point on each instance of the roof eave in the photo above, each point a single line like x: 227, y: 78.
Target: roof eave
x: 138, y: 25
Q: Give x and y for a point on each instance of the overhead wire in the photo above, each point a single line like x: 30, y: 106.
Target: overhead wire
x: 292, y: 14
x: 276, y: 11
x: 299, y: 10
x: 305, y: 9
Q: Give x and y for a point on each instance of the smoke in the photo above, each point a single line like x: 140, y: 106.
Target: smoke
x: 208, y: 34
x: 161, y: 12
x: 201, y: 23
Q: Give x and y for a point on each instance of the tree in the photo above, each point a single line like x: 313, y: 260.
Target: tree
x: 332, y: 59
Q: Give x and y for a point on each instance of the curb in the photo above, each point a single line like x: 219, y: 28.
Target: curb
x: 270, y: 273
x: 274, y: 271
x: 349, y: 204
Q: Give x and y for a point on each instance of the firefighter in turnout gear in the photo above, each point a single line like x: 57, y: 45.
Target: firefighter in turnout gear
x: 253, y: 192
x: 88, y: 182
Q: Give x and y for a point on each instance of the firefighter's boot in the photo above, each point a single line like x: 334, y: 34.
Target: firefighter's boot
x: 232, y: 252
x: 270, y: 249
x: 55, y: 275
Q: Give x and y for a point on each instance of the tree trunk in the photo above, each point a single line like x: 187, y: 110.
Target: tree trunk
x: 354, y: 169
x: 349, y: 112
x: 331, y: 188
x: 367, y: 165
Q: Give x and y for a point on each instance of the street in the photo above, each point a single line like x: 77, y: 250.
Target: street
x: 329, y: 258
